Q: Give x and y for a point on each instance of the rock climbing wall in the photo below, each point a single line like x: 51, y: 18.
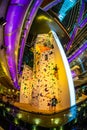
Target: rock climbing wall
x: 26, y: 85
x: 45, y: 84
x: 47, y: 78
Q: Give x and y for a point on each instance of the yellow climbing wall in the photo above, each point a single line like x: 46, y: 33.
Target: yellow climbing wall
x: 47, y: 78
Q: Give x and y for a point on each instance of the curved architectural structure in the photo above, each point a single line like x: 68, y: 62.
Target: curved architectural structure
x: 15, y: 17
x: 49, y: 77
x: 12, y: 35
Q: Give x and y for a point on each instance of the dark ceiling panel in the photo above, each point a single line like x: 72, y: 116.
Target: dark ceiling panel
x: 45, y: 2
x: 43, y: 23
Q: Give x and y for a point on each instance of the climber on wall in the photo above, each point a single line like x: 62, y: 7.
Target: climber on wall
x: 54, y: 102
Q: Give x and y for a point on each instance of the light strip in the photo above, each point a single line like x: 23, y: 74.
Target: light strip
x: 81, y: 11
x: 78, y: 52
x: 67, y: 5
x: 72, y: 37
x: 76, y: 27
x: 83, y: 23
x: 14, y: 18
x: 52, y: 4
x: 67, y: 68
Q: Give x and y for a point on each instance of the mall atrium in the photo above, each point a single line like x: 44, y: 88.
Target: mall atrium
x: 43, y: 64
